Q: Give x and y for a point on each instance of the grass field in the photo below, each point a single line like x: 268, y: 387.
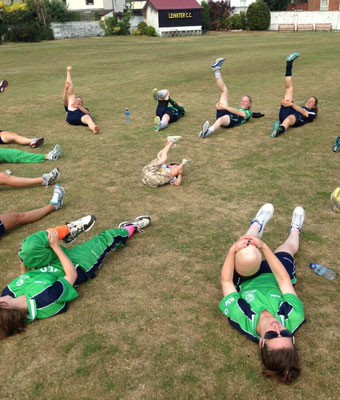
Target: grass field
x: 149, y: 327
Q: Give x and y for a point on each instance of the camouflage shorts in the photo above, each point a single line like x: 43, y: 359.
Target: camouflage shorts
x: 153, y: 176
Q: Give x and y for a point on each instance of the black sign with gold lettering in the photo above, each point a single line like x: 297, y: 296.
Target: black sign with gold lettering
x: 169, y: 18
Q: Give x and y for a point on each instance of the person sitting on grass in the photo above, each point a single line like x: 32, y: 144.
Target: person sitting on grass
x: 18, y: 156
x: 292, y: 115
x: 166, y: 112
x: 49, y: 272
x: 259, y: 297
x: 11, y: 220
x: 226, y: 116
x: 11, y: 137
x: 158, y: 172
x: 76, y: 113
x: 6, y: 178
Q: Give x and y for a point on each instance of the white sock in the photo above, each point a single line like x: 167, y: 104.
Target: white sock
x: 162, y: 93
x: 211, y: 129
x: 163, y: 125
x: 217, y: 73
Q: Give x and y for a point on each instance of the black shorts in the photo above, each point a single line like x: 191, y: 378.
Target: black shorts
x: 74, y: 117
x: 286, y: 259
x: 2, y: 228
x: 163, y: 108
x: 235, y: 119
x: 286, y: 112
x: 1, y: 142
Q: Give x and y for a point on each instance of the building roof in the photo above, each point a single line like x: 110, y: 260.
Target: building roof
x: 174, y: 4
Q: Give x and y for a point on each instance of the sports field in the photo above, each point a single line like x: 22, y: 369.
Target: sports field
x: 149, y: 327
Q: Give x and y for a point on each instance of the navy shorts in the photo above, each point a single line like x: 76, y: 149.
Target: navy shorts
x: 286, y: 112
x: 235, y: 119
x: 74, y: 117
x: 1, y: 142
x: 163, y: 108
x: 2, y: 228
x: 286, y: 259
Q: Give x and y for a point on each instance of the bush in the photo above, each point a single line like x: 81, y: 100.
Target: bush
x: 224, y: 23
x: 205, y: 16
x: 112, y: 26
x: 58, y: 11
x: 236, y: 21
x: 277, y: 5
x: 137, y: 32
x: 258, y: 16
x: 142, y: 27
x: 150, y: 31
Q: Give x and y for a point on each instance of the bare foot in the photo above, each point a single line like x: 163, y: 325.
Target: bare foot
x: 68, y: 68
x: 96, y: 130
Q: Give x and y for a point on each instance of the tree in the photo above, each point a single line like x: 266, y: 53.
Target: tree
x: 219, y: 13
x: 258, y: 16
x: 205, y: 16
x: 277, y: 5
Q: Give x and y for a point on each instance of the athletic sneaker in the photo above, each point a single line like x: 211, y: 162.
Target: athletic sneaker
x: 275, y: 129
x: 155, y: 94
x: 297, y: 219
x: 36, y: 142
x: 263, y: 216
x: 217, y: 64
x: 205, y: 129
x: 54, y: 154
x: 51, y: 177
x: 77, y: 227
x: 173, y: 139
x: 185, y: 161
x: 156, y: 124
x: 292, y: 57
x: 3, y: 85
x: 139, y: 223
x: 58, y: 196
x: 336, y: 146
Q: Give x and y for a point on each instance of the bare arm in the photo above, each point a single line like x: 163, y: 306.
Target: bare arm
x: 70, y: 271
x: 300, y: 110
x: 235, y: 111
x: 278, y: 270
x: 179, y: 179
x: 229, y: 267
x: 82, y: 109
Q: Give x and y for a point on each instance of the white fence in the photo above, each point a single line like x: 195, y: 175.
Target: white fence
x: 304, y: 17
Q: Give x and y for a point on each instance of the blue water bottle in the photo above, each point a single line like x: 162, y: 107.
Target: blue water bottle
x: 323, y: 271
x: 127, y: 116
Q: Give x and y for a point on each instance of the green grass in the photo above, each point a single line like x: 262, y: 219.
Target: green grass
x: 148, y: 327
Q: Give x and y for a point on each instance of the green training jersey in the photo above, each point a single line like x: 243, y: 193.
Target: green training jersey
x: 45, y: 289
x: 259, y: 294
x: 247, y: 112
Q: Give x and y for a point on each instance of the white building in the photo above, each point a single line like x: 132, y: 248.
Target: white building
x: 96, y: 5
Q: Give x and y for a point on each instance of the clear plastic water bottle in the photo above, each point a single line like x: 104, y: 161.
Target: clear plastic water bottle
x: 127, y: 116
x: 323, y: 271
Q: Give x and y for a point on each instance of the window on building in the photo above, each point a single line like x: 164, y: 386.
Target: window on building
x: 324, y: 5
x: 243, y: 3
x: 89, y: 2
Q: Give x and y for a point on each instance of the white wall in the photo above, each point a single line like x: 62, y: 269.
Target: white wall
x: 152, y: 18
x: 304, y: 17
x: 76, y: 29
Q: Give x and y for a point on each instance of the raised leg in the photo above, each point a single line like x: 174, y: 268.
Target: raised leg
x: 291, y: 245
x: 163, y: 154
x: 70, y: 88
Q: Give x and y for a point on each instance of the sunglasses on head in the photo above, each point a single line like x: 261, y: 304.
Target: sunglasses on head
x: 273, y: 334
